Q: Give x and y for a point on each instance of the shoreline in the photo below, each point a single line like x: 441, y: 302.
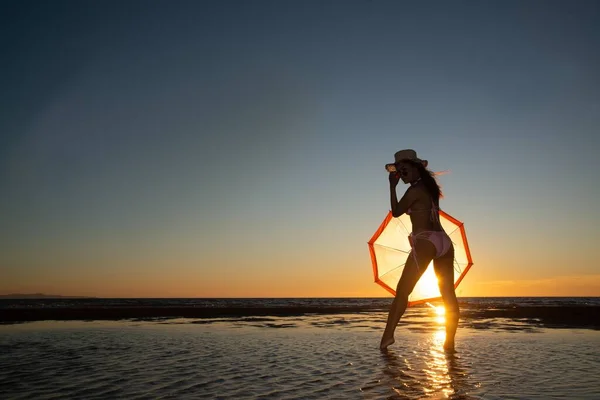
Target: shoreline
x: 567, y: 316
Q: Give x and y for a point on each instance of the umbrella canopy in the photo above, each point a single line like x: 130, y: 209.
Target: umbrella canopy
x: 389, y: 248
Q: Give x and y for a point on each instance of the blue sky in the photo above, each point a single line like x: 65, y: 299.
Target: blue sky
x: 231, y: 148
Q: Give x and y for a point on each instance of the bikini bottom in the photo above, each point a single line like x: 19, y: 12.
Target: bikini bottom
x: 440, y: 240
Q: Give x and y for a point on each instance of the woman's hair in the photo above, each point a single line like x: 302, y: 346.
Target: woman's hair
x: 430, y: 182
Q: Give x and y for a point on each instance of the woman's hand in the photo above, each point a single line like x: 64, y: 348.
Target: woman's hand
x: 394, y: 179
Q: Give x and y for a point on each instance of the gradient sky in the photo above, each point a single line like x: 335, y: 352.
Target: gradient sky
x: 236, y: 148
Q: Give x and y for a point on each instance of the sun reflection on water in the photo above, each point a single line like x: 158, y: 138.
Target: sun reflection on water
x: 440, y: 313
x: 439, y: 337
x: 426, y: 370
x: 436, y: 370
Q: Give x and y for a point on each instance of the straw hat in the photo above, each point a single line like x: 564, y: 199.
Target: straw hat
x: 405, y: 155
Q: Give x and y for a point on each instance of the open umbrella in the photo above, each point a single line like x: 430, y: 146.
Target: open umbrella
x: 389, y: 248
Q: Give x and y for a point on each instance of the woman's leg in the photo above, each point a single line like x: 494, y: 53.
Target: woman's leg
x: 444, y: 270
x: 410, y: 276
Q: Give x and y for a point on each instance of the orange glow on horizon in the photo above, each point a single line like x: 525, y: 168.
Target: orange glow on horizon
x: 293, y: 282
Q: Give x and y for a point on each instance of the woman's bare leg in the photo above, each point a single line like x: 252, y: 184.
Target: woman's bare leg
x: 410, y: 276
x: 444, y: 269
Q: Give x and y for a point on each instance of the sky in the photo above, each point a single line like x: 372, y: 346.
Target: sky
x: 237, y: 148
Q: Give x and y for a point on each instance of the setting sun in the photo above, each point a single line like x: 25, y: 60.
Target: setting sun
x: 427, y: 286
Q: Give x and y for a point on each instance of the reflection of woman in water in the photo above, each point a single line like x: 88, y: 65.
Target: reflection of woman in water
x: 428, y: 240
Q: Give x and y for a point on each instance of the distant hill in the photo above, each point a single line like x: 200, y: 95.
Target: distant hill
x: 40, y: 296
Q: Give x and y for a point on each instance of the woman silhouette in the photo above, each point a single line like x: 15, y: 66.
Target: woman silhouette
x: 428, y: 241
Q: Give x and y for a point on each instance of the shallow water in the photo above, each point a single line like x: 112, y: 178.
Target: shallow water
x: 308, y: 357
x: 356, y: 303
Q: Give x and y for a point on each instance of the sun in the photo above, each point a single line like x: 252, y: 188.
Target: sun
x: 427, y: 286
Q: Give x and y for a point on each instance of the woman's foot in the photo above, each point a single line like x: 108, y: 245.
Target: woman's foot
x: 385, y: 342
x: 449, y: 347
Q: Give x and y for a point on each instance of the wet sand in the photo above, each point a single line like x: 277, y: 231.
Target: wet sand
x: 295, y: 357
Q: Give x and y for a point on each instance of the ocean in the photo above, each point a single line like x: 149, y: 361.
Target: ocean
x: 306, y: 348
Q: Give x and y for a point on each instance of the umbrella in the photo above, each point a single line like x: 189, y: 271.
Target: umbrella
x: 390, y: 247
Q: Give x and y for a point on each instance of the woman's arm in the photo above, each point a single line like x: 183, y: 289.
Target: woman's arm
x: 400, y: 207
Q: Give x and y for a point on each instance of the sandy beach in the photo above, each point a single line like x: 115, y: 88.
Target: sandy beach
x: 295, y: 357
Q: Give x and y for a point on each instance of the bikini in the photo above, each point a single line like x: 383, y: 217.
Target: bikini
x: 440, y: 239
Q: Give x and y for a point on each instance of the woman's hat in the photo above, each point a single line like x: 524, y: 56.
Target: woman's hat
x: 405, y: 155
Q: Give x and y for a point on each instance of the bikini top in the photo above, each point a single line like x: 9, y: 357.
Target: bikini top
x: 435, y: 210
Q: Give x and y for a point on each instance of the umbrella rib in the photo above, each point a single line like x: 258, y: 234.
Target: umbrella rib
x: 457, y: 267
x: 391, y: 270
x: 392, y: 248
x: 403, y: 225
x: 456, y: 228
